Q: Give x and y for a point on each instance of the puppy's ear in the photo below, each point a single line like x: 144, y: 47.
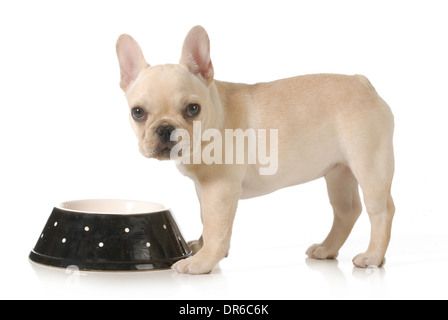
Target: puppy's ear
x: 131, y: 60
x: 196, y: 54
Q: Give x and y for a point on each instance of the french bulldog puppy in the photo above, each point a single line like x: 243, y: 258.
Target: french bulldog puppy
x: 323, y: 125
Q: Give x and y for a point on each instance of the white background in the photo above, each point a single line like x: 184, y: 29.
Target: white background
x: 65, y: 135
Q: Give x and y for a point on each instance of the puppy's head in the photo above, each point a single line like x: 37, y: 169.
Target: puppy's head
x: 164, y: 98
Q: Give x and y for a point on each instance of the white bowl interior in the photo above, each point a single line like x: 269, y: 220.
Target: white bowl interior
x: 111, y: 206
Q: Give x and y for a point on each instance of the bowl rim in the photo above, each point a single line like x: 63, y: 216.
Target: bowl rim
x: 105, y: 206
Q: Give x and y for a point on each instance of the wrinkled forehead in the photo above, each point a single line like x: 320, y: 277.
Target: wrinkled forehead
x: 156, y: 85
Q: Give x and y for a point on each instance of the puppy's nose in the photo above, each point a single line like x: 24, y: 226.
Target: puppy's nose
x: 164, y: 132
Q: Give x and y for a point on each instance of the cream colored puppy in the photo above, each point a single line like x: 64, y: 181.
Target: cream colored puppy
x: 331, y: 126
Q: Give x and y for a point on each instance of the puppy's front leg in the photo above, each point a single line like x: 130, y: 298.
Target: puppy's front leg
x: 219, y: 201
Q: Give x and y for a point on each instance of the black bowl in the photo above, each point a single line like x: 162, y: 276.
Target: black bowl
x: 110, y: 235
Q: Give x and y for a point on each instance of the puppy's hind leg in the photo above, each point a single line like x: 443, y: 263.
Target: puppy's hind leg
x: 343, y: 192
x: 375, y: 178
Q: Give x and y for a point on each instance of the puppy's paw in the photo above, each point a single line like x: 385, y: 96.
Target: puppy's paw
x: 364, y: 260
x: 321, y: 252
x: 194, y: 265
x: 195, y: 245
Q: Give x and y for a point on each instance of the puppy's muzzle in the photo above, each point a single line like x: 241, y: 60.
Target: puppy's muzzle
x: 164, y: 144
x: 164, y: 133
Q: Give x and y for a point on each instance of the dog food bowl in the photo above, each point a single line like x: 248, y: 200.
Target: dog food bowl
x: 110, y: 235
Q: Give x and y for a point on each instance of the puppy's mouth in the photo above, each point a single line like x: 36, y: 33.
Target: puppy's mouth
x: 162, y: 150
x: 163, y: 153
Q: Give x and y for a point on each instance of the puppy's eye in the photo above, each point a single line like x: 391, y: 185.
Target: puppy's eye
x: 139, y: 114
x: 193, y: 110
